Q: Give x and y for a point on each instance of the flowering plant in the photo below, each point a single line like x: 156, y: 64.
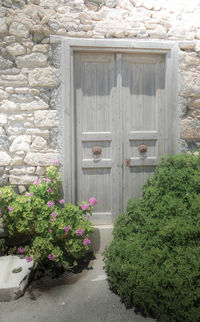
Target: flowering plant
x: 43, y: 227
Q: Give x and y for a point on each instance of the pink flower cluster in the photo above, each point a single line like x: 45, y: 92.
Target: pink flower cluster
x: 37, y: 182
x: 29, y: 259
x: 55, y: 162
x: 47, y: 180
x: 0, y: 193
x: 54, y: 215
x: 49, y: 190
x: 51, y: 203
x: 51, y: 257
x: 85, y: 206
x: 50, y: 230
x: 61, y: 201
x: 10, y: 209
x: 80, y: 232
x: 20, y: 250
x: 86, y: 241
x: 67, y: 229
x: 93, y: 201
x: 29, y: 194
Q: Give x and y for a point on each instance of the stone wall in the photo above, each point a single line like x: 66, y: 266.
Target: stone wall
x: 29, y: 119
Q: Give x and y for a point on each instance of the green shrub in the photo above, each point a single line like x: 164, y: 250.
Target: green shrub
x: 42, y: 227
x: 153, y: 262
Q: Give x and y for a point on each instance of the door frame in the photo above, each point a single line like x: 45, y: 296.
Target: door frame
x: 70, y: 45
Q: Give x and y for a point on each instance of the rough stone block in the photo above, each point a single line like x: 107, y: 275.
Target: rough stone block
x: 42, y: 77
x: 12, y: 285
x: 16, y: 49
x: 4, y: 142
x: 34, y: 105
x: 21, y: 143
x: 39, y: 144
x: 19, y: 29
x: 46, y: 118
x: 3, y: 119
x: 32, y: 60
x: 5, y: 63
x: 190, y: 129
x: 40, y: 159
x: 22, y: 179
x: 4, y: 158
x: 3, y: 26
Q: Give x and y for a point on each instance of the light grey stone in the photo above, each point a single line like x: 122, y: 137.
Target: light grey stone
x: 8, y: 106
x: 4, y: 158
x: 34, y: 105
x: 42, y: 77
x: 53, y: 25
x: 9, y: 39
x: 4, y: 142
x: 22, y: 179
x: 3, y: 26
x: 22, y: 90
x: 22, y: 170
x: 32, y: 60
x: 39, y: 144
x: 12, y: 285
x: 5, y: 63
x: 10, y: 90
x: 40, y: 171
x: 39, y: 159
x: 22, y: 189
x: 2, y: 132
x: 40, y: 132
x: 41, y: 48
x: 13, y: 80
x: 17, y: 161
x: 21, y: 143
x: 158, y: 32
x: 195, y: 103
x: 48, y: 118
x: 3, y: 119
x: 3, y: 94
x: 16, y: 49
x: 19, y: 29
x: 190, y: 129
x: 16, y: 130
x: 111, y: 3
x: 148, y: 4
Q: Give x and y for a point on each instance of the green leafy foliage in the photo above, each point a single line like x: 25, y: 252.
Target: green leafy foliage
x: 153, y: 262
x: 44, y: 228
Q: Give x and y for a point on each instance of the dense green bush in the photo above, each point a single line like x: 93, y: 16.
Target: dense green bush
x: 42, y: 227
x: 153, y: 262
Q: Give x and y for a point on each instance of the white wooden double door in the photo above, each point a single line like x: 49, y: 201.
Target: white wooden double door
x: 119, y: 126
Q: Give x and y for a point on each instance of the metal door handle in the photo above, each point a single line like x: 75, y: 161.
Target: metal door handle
x: 96, y: 150
x: 142, y: 148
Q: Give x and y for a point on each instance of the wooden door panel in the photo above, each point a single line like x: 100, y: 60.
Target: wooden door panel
x: 97, y: 116
x: 119, y: 105
x: 141, y: 126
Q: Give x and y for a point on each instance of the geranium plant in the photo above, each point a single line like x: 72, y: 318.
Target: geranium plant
x: 43, y: 227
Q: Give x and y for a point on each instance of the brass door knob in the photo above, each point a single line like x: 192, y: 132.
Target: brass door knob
x: 142, y: 148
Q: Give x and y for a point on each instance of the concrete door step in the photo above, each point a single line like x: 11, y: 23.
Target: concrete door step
x: 14, y: 277
x: 101, y: 238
